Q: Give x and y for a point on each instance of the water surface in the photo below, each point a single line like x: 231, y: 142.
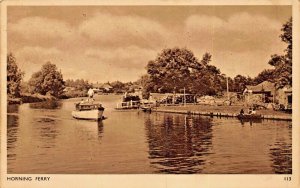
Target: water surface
x: 44, y: 138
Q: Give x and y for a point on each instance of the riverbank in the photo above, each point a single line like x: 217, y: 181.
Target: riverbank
x: 222, y: 111
x: 30, y: 98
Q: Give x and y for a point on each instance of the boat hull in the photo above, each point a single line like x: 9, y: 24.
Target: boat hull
x: 88, y: 114
x: 249, y: 116
x: 146, y: 108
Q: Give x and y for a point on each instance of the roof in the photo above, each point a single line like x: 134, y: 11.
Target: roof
x: 106, y: 85
x: 287, y: 89
x: 160, y: 96
x: 265, y: 86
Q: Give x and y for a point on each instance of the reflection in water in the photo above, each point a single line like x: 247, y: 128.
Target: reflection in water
x: 50, y: 104
x: 12, y: 129
x: 49, y: 140
x: 14, y: 108
x: 177, y: 143
x: 48, y: 131
x: 281, y: 155
x: 100, y: 130
x: 12, y: 134
x: 250, y: 121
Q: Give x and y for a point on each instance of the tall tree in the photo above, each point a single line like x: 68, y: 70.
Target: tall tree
x: 239, y: 83
x: 171, y: 68
x: 283, y: 63
x: 14, y: 77
x: 177, y: 68
x: 265, y: 75
x: 47, y: 81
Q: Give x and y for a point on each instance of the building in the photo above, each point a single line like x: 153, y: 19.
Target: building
x: 68, y: 89
x: 266, y: 92
x: 284, y: 97
x: 102, y: 88
x: 262, y: 93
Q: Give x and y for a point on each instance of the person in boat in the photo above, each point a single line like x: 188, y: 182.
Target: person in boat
x: 242, y: 112
x: 250, y: 111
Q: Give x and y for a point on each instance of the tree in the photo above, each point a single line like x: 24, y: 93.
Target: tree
x: 171, y: 69
x: 47, y: 81
x: 282, y: 73
x: 239, y: 83
x: 145, y: 82
x: 265, y: 75
x: 177, y: 68
x: 118, y: 86
x: 14, y: 77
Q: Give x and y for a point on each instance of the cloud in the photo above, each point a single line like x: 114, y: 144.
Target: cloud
x: 31, y: 58
x: 38, y: 27
x: 106, y: 47
x: 110, y: 29
x: 248, y: 63
x: 240, y: 32
x: 132, y: 57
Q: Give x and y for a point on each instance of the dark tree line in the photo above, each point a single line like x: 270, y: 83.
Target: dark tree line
x: 172, y: 70
x: 176, y: 69
x: 79, y: 84
x: 46, y: 81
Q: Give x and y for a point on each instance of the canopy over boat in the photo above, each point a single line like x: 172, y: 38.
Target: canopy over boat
x: 88, y: 105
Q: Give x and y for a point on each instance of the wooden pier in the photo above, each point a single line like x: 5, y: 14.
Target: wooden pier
x: 219, y: 114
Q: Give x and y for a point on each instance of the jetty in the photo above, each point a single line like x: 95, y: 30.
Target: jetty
x: 218, y: 113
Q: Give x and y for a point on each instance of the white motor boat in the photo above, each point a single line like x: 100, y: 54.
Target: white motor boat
x: 88, y: 110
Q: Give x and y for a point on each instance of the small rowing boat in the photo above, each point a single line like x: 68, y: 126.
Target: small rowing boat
x: 249, y: 116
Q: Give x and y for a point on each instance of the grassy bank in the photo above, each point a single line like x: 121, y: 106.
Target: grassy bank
x: 29, y: 98
x: 222, y: 109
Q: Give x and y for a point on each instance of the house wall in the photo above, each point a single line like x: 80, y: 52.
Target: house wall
x: 251, y: 99
x: 282, y: 97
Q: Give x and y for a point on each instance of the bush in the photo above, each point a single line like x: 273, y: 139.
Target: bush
x: 74, y: 94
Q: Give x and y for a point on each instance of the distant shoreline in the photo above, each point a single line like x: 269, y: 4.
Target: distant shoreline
x: 33, y: 98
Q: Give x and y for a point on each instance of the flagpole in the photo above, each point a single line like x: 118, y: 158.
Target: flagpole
x: 227, y: 88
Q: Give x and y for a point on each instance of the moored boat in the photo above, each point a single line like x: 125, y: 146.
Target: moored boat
x: 88, y: 110
x: 146, y: 108
x: 146, y: 105
x: 129, y: 102
x: 128, y: 105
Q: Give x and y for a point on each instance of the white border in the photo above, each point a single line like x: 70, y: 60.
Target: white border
x: 163, y: 181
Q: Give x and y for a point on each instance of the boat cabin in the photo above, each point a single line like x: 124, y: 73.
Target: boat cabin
x: 88, y: 106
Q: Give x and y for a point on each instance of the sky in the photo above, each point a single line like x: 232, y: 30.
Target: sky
x: 109, y: 43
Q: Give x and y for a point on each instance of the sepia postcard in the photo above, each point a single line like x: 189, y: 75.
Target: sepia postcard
x: 157, y: 93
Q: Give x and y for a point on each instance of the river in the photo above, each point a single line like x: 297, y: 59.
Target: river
x: 46, y: 139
